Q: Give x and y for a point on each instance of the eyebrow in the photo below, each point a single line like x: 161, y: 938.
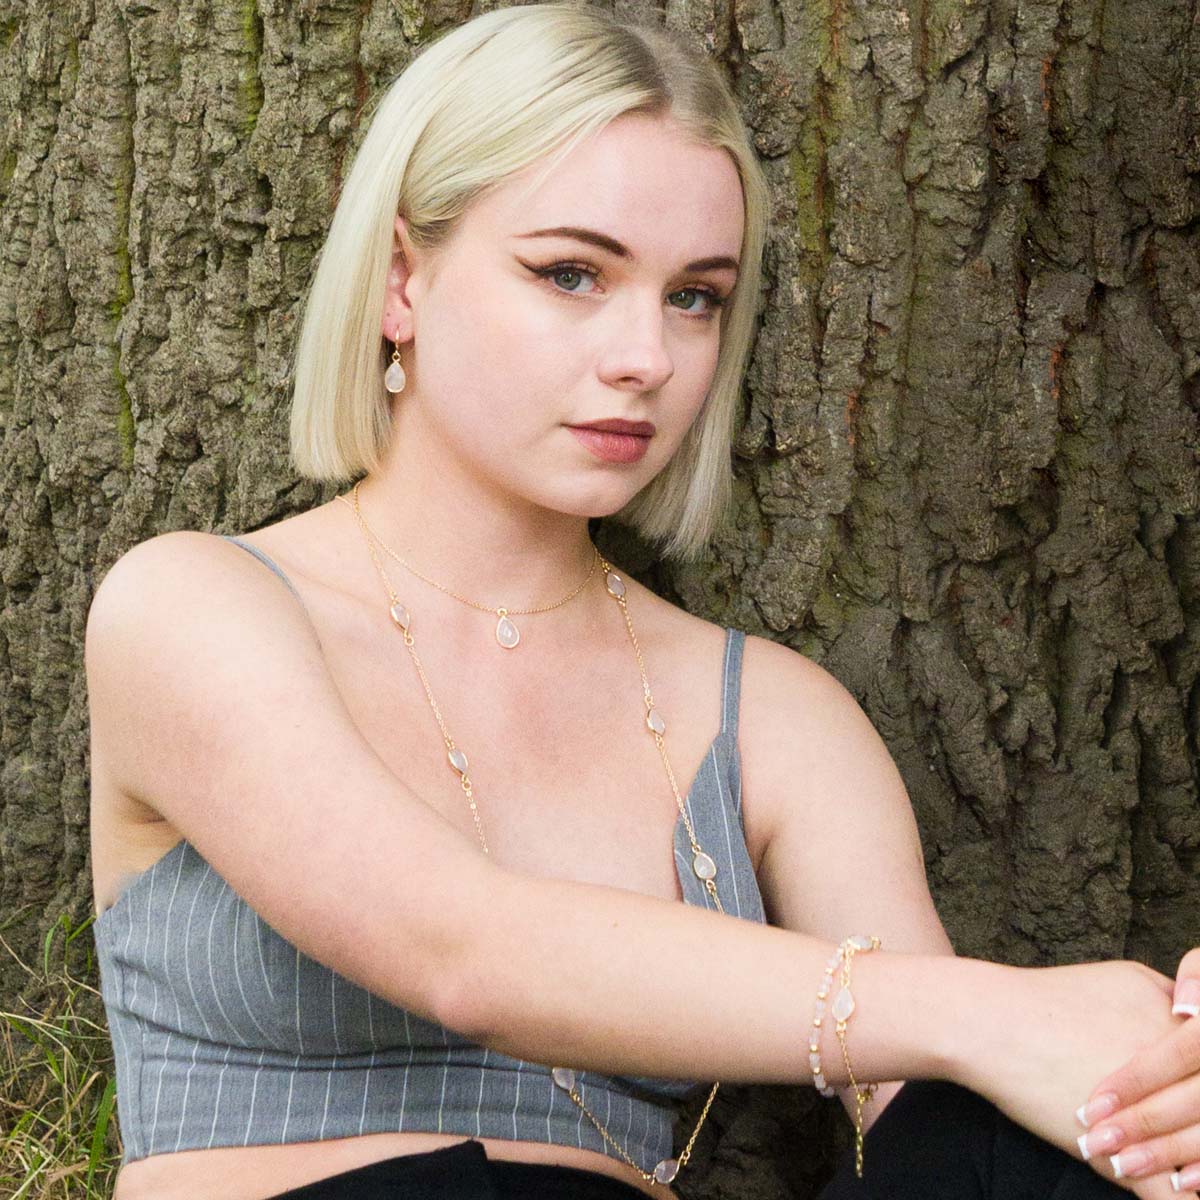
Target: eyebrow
x: 604, y: 242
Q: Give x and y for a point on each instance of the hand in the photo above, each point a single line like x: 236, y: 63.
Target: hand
x: 1045, y: 1036
x: 1151, y: 1105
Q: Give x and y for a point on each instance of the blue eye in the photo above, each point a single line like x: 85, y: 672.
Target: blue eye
x: 581, y: 271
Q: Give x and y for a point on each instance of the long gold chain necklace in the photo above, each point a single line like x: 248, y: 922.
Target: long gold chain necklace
x: 704, y: 867
x: 507, y: 633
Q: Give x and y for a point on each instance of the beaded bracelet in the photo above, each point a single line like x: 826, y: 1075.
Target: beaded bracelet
x: 814, y: 1041
x: 842, y: 1009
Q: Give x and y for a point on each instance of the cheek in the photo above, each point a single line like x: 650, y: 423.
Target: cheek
x: 499, y: 365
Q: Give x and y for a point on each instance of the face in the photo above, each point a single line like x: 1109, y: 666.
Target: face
x: 517, y: 331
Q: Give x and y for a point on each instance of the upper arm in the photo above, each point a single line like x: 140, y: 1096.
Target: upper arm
x: 843, y: 853
x: 216, y: 709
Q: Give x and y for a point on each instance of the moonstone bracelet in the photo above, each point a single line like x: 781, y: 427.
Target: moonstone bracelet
x: 841, y: 1010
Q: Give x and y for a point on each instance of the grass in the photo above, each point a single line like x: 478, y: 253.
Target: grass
x: 58, y: 1133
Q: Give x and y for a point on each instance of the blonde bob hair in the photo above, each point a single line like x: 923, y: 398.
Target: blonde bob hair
x: 484, y: 101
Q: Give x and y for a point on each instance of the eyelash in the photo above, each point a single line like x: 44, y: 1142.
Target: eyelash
x: 715, y: 299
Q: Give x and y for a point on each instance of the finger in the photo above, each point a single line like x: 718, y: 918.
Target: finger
x: 1164, y: 1061
x: 1157, y: 1187
x: 1169, y: 1111
x: 1143, y: 1158
x: 1159, y: 1155
x: 1187, y: 985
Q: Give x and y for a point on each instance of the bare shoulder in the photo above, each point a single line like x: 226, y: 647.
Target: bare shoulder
x: 167, y: 563
x: 210, y: 691
x: 163, y: 625
x: 804, y: 735
x: 795, y: 707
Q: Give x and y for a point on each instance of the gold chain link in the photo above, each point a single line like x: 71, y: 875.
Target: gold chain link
x: 500, y: 612
x: 709, y: 884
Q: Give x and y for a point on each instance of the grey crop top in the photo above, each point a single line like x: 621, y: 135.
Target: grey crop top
x: 225, y: 1033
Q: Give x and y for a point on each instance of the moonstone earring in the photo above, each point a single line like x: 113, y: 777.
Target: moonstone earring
x: 394, y: 377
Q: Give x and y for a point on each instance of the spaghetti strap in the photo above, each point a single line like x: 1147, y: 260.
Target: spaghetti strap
x: 271, y: 563
x: 731, y: 682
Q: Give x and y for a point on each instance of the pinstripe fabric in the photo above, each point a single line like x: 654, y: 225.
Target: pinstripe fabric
x: 225, y: 1033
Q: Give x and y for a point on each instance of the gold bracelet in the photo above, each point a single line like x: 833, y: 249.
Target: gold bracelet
x: 842, y: 1009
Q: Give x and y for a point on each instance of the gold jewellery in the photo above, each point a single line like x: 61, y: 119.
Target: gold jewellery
x: 841, y: 1009
x: 507, y: 634
x: 705, y: 868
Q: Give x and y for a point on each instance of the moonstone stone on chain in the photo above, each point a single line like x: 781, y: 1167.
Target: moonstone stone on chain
x: 705, y: 868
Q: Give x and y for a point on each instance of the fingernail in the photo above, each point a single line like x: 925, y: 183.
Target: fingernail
x: 1187, y: 999
x: 1107, y: 1137
x: 1130, y: 1162
x: 1186, y: 1180
x: 1103, y: 1106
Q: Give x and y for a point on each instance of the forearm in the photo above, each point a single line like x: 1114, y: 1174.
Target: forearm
x: 607, y: 979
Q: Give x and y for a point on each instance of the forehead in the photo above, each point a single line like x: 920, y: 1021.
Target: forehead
x: 641, y: 180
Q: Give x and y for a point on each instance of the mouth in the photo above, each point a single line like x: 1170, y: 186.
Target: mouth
x: 617, y: 425
x: 611, y: 441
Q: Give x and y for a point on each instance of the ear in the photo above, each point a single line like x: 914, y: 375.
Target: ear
x: 396, y: 321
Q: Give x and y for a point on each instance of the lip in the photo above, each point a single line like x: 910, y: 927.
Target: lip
x: 613, y: 445
x: 617, y: 425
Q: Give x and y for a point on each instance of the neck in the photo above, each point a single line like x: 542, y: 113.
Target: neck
x: 452, y: 528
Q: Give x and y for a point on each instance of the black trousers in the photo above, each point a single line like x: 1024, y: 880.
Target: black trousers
x: 938, y: 1141
x: 934, y: 1141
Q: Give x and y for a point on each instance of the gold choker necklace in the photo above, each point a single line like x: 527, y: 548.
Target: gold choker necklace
x: 507, y: 634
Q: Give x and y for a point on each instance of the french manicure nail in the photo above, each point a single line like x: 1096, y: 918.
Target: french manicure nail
x: 1187, y: 999
x: 1186, y: 1180
x: 1130, y: 1162
x: 1099, y: 1140
x: 1103, y: 1106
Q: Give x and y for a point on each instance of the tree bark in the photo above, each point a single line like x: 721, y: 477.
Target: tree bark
x: 967, y: 469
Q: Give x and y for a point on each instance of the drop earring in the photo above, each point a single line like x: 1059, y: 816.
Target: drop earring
x: 394, y: 378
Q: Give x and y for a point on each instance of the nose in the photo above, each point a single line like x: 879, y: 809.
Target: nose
x: 637, y: 356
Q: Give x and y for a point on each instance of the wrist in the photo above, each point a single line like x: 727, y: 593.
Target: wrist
x: 981, y: 1009
x: 926, y: 1016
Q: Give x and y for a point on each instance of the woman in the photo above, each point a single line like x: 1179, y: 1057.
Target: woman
x: 330, y: 967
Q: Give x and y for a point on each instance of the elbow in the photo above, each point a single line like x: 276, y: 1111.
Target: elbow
x: 462, y: 1006
x: 465, y: 996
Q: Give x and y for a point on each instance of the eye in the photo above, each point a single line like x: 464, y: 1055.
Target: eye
x: 569, y: 274
x: 714, y: 299
x: 570, y: 270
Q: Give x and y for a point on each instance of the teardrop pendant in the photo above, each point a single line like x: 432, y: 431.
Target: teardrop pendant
x: 400, y: 616
x: 507, y: 633
x: 394, y: 378
x: 704, y: 866
x: 666, y: 1170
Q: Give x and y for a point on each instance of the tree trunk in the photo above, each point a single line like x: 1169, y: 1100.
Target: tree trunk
x: 968, y: 476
